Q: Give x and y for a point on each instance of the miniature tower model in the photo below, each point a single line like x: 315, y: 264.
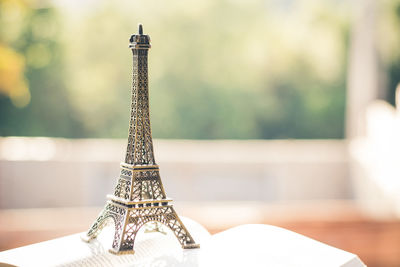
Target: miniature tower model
x: 139, y: 196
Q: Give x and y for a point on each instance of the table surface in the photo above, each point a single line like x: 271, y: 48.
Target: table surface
x: 245, y: 245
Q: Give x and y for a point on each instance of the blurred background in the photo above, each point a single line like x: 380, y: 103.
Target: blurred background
x: 263, y: 111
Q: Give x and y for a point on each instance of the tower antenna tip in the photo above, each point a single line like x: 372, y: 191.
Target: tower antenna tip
x: 140, y: 29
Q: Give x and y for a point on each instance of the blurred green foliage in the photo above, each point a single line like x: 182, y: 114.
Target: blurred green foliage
x: 389, y: 41
x: 218, y: 69
x: 38, y: 103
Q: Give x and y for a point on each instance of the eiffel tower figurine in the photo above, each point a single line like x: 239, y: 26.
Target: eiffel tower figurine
x: 139, y: 196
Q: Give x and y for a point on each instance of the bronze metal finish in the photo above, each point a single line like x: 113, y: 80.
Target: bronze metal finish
x: 139, y: 196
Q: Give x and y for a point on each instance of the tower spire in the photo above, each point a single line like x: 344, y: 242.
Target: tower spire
x: 139, y: 150
x: 140, y: 29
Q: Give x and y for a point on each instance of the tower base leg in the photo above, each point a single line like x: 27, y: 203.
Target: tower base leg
x: 128, y: 221
x: 191, y: 246
x: 125, y: 252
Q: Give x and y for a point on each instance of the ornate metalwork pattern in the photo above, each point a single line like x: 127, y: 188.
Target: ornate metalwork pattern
x: 140, y: 143
x: 139, y: 196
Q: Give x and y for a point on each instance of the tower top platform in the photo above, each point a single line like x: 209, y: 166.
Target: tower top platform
x: 140, y: 40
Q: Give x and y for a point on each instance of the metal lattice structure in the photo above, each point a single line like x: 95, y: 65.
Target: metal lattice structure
x: 139, y: 195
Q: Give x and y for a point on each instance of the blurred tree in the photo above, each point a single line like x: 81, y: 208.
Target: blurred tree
x: 390, y: 40
x: 33, y: 96
x: 218, y: 69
